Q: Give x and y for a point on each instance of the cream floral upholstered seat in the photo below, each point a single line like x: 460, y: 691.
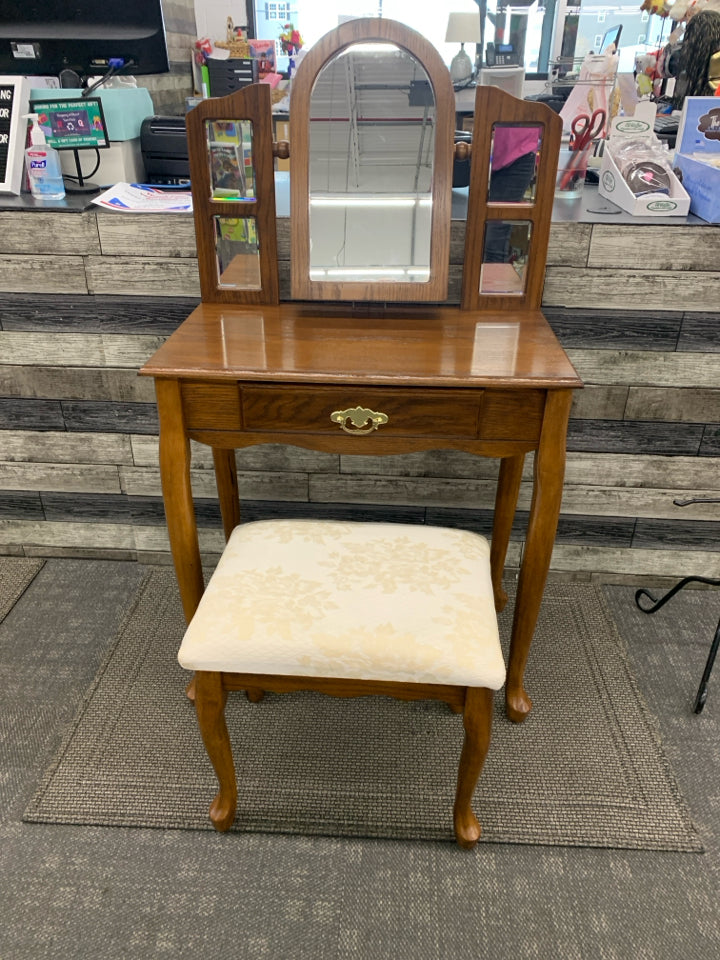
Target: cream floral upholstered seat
x: 348, y: 608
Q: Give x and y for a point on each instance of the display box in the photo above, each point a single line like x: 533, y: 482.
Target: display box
x: 697, y: 155
x: 674, y: 203
x: 124, y: 109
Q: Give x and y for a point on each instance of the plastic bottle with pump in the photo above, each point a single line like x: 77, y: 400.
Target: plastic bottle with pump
x: 43, y: 165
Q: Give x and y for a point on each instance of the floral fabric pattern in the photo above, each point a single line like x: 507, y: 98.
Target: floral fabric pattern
x: 367, y: 601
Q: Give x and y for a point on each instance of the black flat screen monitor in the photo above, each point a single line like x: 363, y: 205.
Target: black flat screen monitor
x: 612, y: 36
x: 45, y: 37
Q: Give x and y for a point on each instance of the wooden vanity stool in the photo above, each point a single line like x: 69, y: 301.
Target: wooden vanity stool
x: 348, y: 609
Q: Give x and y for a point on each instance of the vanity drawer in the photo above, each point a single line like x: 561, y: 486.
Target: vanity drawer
x: 392, y: 412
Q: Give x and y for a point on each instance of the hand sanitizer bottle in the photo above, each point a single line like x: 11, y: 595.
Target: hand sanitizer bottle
x: 43, y: 165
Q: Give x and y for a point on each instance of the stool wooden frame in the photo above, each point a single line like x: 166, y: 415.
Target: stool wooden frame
x: 475, y: 704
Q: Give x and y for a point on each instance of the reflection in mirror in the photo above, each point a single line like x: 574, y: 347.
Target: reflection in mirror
x: 232, y: 175
x: 505, y: 256
x: 513, y: 163
x: 238, y: 253
x: 372, y: 141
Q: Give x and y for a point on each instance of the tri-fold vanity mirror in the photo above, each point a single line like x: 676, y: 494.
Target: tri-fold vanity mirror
x: 372, y: 119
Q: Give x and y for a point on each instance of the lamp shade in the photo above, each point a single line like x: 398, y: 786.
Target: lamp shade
x: 463, y: 28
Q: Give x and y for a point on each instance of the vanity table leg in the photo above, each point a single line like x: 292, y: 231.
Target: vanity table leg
x: 227, y: 485
x: 177, y: 495
x: 549, y: 472
x: 506, y: 498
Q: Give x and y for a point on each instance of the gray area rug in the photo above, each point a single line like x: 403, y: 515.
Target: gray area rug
x: 586, y: 769
x: 16, y: 575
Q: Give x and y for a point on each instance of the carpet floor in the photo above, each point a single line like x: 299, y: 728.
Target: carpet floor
x: 586, y: 769
x: 16, y: 575
x: 83, y: 892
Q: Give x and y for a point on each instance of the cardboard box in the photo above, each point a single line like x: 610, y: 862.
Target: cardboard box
x: 675, y: 203
x: 697, y: 155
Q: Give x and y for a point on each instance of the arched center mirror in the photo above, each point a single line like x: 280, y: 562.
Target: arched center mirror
x: 371, y: 127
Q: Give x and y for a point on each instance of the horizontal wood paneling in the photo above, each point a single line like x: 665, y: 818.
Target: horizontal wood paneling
x: 634, y: 470
x: 36, y: 233
x: 595, y: 402
x: 113, y: 536
x: 151, y: 276
x: 90, y: 415
x: 145, y: 482
x: 75, y: 383
x: 657, y: 403
x: 268, y: 458
x: 480, y: 494
x: 56, y: 274
x: 78, y: 430
x: 83, y: 477
x: 145, y: 235
x: 678, y: 534
x: 609, y: 531
x: 645, y: 367
x: 569, y: 244
x: 64, y: 447
x: 615, y: 329
x: 20, y: 505
x: 22, y: 414
x: 671, y: 247
x: 425, y: 491
x: 644, y: 289
x: 633, y: 502
x: 581, y: 469
x: 700, y: 333
x: 710, y: 446
x: 155, y: 538
x: 625, y: 436
x: 77, y: 349
x: 94, y: 314
x: 635, y: 562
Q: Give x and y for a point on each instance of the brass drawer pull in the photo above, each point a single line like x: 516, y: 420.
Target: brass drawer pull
x: 361, y: 419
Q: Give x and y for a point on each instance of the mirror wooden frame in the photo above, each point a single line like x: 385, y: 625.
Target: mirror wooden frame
x: 252, y: 104
x: 371, y: 31
x: 492, y: 106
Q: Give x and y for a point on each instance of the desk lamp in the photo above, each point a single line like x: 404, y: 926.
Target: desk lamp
x: 462, y: 28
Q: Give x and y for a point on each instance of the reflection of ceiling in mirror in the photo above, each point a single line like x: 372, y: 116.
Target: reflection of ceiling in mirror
x: 372, y: 117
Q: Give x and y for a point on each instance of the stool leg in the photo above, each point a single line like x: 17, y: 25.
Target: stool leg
x: 210, y: 706
x: 477, y: 720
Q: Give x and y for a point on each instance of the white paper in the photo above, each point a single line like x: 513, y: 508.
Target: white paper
x: 140, y: 198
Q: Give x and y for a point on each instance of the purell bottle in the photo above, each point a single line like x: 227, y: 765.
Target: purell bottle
x: 43, y: 165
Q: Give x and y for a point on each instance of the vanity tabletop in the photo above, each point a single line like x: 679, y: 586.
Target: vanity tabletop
x: 371, y: 344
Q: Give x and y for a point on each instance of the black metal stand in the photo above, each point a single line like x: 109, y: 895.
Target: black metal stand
x: 81, y: 185
x: 656, y: 604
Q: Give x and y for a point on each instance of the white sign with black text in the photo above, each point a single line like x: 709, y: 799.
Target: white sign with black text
x: 14, y: 96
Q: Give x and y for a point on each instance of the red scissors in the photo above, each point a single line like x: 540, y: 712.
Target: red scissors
x: 586, y: 128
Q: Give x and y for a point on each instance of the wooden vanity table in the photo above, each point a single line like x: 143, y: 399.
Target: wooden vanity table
x: 362, y: 361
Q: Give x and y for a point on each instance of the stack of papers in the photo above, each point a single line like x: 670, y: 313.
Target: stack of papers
x: 142, y: 198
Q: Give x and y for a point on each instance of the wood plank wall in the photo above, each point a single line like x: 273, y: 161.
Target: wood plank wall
x: 87, y: 297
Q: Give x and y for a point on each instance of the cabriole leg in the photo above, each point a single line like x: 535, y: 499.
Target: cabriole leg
x: 210, y: 701
x: 477, y: 720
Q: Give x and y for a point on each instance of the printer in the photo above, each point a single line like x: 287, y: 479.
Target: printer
x: 163, y: 142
